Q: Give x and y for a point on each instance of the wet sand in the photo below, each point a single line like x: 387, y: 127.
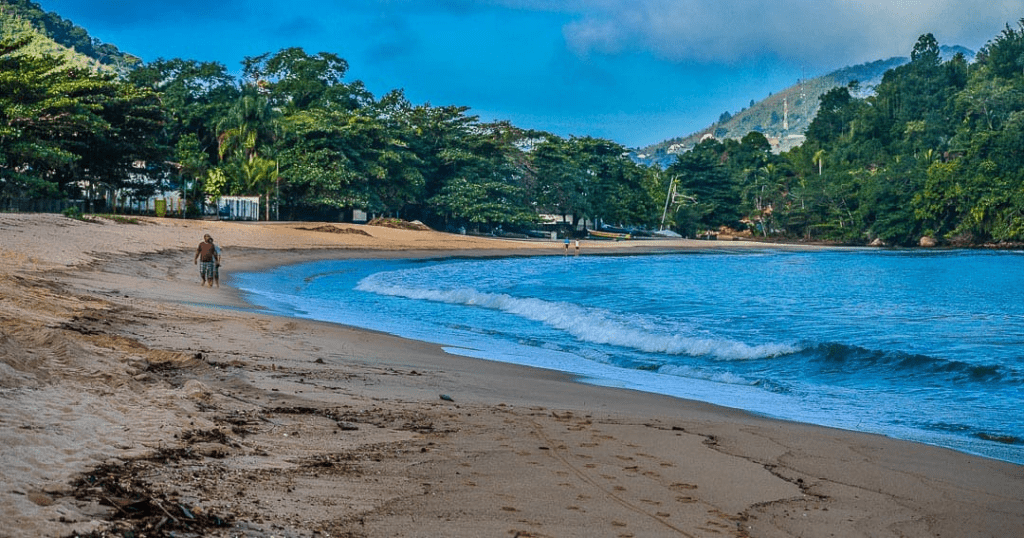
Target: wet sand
x: 136, y: 400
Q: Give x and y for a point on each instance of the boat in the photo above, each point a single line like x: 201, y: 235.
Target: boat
x: 606, y: 234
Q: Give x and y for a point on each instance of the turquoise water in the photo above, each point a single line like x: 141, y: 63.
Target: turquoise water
x: 925, y: 346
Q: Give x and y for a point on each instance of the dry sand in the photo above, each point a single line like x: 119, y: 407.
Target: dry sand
x: 135, y: 401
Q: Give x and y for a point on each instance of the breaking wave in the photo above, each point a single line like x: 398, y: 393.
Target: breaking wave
x: 587, y: 324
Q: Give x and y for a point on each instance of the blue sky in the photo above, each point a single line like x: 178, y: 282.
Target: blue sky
x: 633, y: 71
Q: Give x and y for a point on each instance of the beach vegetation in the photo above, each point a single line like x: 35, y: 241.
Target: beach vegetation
x: 72, y: 213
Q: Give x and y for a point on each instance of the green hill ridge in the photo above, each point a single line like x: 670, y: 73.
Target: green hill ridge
x: 784, y: 116
x: 53, y: 35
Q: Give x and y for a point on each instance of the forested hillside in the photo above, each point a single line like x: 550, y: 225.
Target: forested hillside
x: 59, y: 37
x: 935, y: 150
x: 784, y: 116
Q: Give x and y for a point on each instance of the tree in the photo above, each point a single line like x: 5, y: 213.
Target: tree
x: 561, y: 188
x: 246, y: 140
x: 704, y: 176
x: 486, y: 185
x: 191, y: 164
x: 344, y: 159
x: 34, y: 119
x: 260, y: 176
x: 835, y: 113
x: 248, y: 129
x: 195, y: 96
x: 819, y: 159
x: 593, y: 177
x: 64, y: 126
x: 1005, y: 55
x: 294, y: 80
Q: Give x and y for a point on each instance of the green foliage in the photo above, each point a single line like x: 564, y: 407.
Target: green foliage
x: 593, y: 178
x: 216, y: 183
x: 937, y: 149
x: 55, y: 36
x: 195, y: 96
x: 73, y: 213
x: 705, y: 176
x: 64, y: 125
x: 295, y: 80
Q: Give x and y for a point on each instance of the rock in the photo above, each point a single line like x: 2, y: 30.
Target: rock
x: 212, y: 450
x: 196, y: 390
x: 40, y: 498
x: 877, y: 243
x: 928, y: 241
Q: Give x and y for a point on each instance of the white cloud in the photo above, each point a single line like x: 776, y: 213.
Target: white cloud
x: 815, y: 32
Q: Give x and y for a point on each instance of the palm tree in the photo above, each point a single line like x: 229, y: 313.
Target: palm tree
x: 765, y: 189
x: 819, y: 159
x: 250, y: 126
x: 260, y: 176
x: 247, y: 134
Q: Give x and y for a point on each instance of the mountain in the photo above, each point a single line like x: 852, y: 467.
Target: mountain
x: 54, y: 35
x: 784, y: 116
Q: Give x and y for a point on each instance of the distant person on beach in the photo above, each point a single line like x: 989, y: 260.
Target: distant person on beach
x: 566, y: 246
x: 208, y: 258
x: 577, y: 247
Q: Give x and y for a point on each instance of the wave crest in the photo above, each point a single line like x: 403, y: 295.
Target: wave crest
x: 587, y: 324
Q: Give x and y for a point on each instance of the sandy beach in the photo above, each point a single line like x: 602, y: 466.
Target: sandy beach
x: 136, y: 401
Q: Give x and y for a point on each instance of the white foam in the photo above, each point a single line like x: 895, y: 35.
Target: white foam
x: 588, y: 324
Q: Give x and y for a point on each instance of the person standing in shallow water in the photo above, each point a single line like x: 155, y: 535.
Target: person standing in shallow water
x: 208, y: 259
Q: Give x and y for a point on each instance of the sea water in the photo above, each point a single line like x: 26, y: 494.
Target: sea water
x: 925, y: 346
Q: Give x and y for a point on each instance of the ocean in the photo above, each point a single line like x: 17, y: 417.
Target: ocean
x: 926, y: 346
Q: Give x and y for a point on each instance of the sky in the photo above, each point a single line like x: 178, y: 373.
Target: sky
x: 637, y: 72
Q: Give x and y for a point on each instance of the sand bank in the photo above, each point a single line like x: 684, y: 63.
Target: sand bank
x: 134, y: 399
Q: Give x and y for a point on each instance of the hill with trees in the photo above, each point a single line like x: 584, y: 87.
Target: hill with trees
x: 933, y: 154
x: 60, y: 37
x: 784, y: 116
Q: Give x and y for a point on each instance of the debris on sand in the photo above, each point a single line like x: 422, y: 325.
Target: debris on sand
x: 332, y: 229
x: 399, y: 224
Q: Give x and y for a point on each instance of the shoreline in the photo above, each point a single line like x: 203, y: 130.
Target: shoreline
x: 598, y: 376
x: 117, y: 357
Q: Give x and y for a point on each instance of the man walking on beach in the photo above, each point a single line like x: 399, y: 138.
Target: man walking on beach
x: 208, y: 259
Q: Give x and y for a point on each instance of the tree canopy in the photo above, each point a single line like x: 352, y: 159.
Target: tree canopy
x: 936, y: 150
